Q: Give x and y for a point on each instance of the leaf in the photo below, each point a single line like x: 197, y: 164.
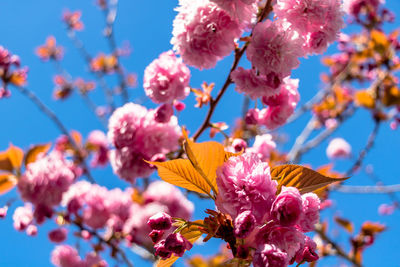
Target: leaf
x: 304, y: 179
x: 364, y: 99
x: 5, y: 163
x: 7, y: 182
x: 371, y: 228
x: 191, y: 233
x: 77, y: 137
x: 35, y: 151
x: 180, y: 172
x: 346, y: 224
x: 206, y: 157
x: 16, y: 156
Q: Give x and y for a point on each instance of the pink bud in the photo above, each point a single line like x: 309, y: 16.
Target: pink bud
x: 163, y: 113
x: 58, y: 235
x: 31, y: 230
x: 160, y: 221
x: 244, y: 224
x: 239, y: 144
x: 179, y: 106
x: 86, y: 235
x: 252, y: 116
x: 177, y: 244
x: 338, y: 148
x: 307, y: 251
x: 161, y: 251
x: 156, y: 235
x: 3, y: 212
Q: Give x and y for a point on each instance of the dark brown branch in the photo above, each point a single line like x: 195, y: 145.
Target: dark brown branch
x: 238, y: 55
x: 52, y: 116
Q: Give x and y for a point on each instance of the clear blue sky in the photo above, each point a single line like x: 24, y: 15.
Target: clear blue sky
x: 147, y: 26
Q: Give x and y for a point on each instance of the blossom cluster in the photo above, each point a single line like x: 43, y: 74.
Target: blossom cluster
x: 137, y: 136
x: 272, y: 224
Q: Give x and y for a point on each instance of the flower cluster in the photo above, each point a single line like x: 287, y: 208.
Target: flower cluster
x: 67, y: 256
x: 203, y: 33
x: 273, y: 225
x: 166, y: 79
x: 44, y: 183
x: 137, y: 136
x: 9, y: 75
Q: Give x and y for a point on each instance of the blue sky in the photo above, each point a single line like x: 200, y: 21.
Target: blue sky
x: 147, y: 26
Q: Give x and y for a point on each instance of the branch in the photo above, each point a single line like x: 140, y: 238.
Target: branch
x: 52, y: 116
x: 110, y: 14
x: 238, y: 55
x: 361, y: 189
x: 99, y: 76
x: 370, y: 143
x: 339, y: 251
x: 113, y: 246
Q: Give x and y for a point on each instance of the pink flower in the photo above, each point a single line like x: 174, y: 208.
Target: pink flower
x: 23, y: 217
x: 338, y: 148
x: 317, y: 21
x: 274, y: 50
x: 307, y: 252
x: 58, y: 235
x: 46, y: 179
x: 166, y: 79
x: 244, y: 224
x: 203, y: 33
x: 242, y: 10
x: 263, y: 146
x: 177, y: 244
x: 245, y: 184
x: 355, y: 7
x: 256, y: 85
x: 270, y: 256
x: 160, y: 221
x: 252, y: 116
x: 171, y: 197
x: 287, y: 207
x: 310, y: 216
x: 65, y: 256
x: 281, y: 106
x: 156, y: 235
x: 137, y: 137
x: 288, y: 239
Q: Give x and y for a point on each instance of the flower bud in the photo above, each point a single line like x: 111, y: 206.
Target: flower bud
x: 31, y: 230
x: 307, y: 252
x: 163, y: 113
x: 3, y: 212
x: 156, y: 235
x: 161, y: 251
x: 58, y: 235
x: 269, y: 255
x: 251, y: 116
x: 244, y: 224
x: 239, y: 144
x: 160, y: 221
x: 177, y: 244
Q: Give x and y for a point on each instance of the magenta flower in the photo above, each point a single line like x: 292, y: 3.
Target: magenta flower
x: 203, y: 33
x: 245, y: 184
x: 58, y: 235
x: 166, y: 79
x: 161, y: 250
x: 307, y: 252
x: 263, y: 146
x: 244, y: 224
x: 310, y: 216
x: 269, y: 255
x: 242, y: 10
x: 287, y: 207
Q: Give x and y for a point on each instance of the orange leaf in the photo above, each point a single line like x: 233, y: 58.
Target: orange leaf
x: 77, y: 137
x: 371, y: 228
x: 16, y: 156
x: 364, y: 99
x: 346, y: 224
x: 5, y: 163
x: 191, y: 233
x: 7, y: 182
x: 35, y: 151
x: 180, y: 172
x: 304, y: 179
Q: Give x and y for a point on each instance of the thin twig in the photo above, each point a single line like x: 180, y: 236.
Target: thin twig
x: 370, y: 143
x: 110, y: 14
x: 113, y: 246
x: 339, y: 251
x: 367, y: 189
x: 98, y: 75
x: 238, y: 55
x: 293, y: 155
x: 52, y: 116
